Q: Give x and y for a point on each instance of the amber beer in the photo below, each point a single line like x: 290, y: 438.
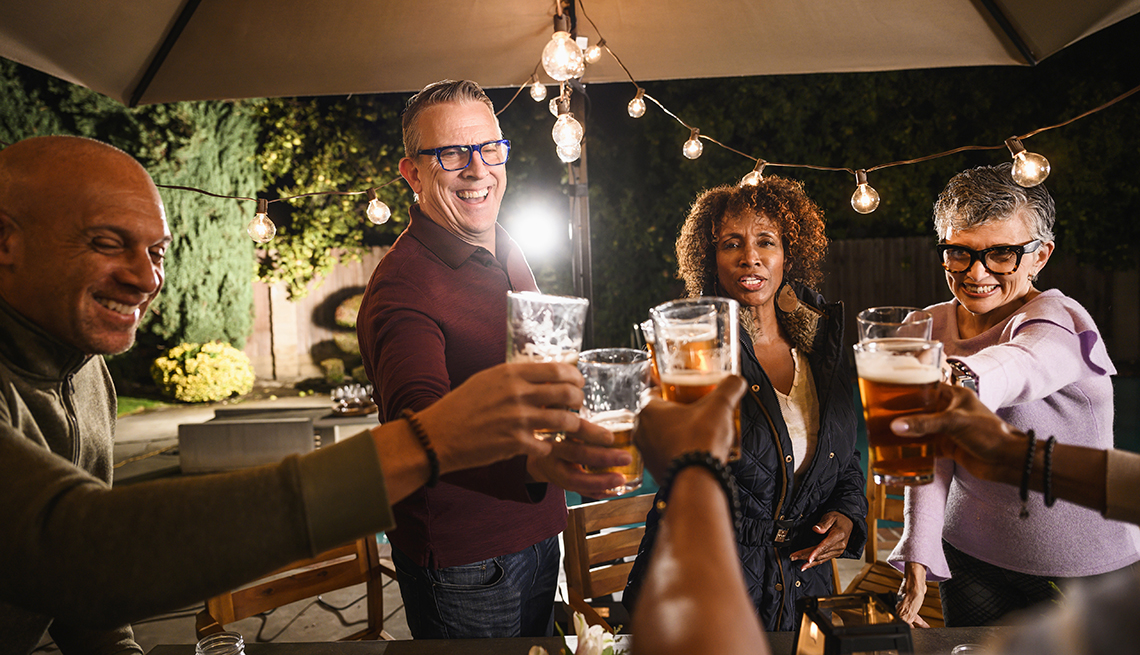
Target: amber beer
x: 620, y: 422
x: 898, y: 377
x: 690, y: 386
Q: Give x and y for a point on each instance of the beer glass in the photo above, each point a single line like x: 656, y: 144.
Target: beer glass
x: 697, y: 346
x: 898, y: 377
x: 651, y: 345
x: 894, y: 323
x: 617, y: 387
x: 542, y: 328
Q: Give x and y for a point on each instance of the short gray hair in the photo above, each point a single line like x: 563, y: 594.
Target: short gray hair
x: 438, y: 93
x: 987, y: 194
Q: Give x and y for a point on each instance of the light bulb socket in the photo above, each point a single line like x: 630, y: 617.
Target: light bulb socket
x: 564, y: 105
x: 262, y: 206
x: 1014, y: 145
x: 640, y: 93
x: 562, y: 23
x: 759, y: 168
x: 371, y: 195
x: 860, y: 176
x: 694, y: 134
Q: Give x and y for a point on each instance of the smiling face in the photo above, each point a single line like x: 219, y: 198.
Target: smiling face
x: 749, y: 258
x: 84, y: 258
x: 465, y: 202
x: 990, y: 297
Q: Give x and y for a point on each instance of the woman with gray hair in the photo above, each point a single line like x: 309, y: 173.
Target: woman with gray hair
x: 1037, y: 359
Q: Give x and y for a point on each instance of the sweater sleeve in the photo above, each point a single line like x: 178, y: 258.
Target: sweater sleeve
x: 1122, y: 488
x: 925, y: 511
x: 83, y: 547
x: 1045, y: 348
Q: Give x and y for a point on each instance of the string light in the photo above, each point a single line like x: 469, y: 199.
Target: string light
x: 636, y: 106
x: 377, y: 211
x: 562, y: 57
x: 569, y: 153
x: 693, y: 147
x: 865, y: 199
x: 538, y: 90
x: 261, y: 229
x: 594, y: 53
x: 755, y: 175
x: 567, y: 130
x: 1029, y: 168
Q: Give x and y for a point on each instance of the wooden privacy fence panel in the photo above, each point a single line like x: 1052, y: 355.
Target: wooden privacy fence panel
x: 292, y: 337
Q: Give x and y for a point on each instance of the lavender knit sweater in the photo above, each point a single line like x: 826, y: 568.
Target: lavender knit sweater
x: 1045, y: 368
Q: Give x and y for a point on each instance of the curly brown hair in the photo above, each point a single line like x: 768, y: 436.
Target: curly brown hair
x: 798, y: 218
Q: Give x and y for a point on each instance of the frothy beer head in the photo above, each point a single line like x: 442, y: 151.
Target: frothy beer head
x: 888, y: 368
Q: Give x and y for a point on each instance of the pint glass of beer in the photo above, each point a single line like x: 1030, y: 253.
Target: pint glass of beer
x: 617, y: 387
x: 894, y: 323
x: 898, y: 377
x: 697, y: 346
x: 542, y: 328
x: 650, y: 337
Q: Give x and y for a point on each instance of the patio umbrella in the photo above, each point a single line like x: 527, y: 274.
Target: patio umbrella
x: 167, y: 50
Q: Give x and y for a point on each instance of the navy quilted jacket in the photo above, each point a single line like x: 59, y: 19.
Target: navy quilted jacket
x: 778, y: 516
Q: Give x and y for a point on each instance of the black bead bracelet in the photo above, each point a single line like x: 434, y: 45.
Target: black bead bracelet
x: 719, y: 470
x: 421, y: 434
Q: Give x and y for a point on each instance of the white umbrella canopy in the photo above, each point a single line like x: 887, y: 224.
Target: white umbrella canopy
x: 168, y: 50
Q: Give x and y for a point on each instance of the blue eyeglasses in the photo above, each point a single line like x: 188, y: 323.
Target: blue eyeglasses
x: 457, y: 158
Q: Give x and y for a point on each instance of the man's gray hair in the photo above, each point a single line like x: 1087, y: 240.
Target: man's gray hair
x: 435, y: 94
x: 987, y: 194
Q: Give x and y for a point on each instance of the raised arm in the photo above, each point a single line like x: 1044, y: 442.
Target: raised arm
x: 693, y: 599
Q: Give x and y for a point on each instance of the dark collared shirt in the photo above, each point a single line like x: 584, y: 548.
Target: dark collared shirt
x: 433, y: 315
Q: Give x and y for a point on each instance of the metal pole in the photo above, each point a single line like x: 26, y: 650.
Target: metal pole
x: 579, y: 192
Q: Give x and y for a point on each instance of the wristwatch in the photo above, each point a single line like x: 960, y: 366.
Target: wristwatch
x: 962, y: 376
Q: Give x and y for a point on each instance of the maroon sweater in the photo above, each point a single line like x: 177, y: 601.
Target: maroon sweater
x: 434, y: 314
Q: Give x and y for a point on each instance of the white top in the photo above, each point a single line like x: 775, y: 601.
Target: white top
x: 800, y: 408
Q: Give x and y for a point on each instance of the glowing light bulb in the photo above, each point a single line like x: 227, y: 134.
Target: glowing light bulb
x: 553, y: 106
x: 261, y: 229
x: 755, y: 175
x: 562, y: 58
x: 567, y: 130
x: 594, y: 53
x: 693, y: 147
x: 1029, y: 168
x: 377, y: 211
x: 636, y: 106
x: 538, y: 91
x: 865, y: 199
x: 570, y: 153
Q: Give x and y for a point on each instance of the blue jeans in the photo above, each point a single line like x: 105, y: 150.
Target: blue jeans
x: 507, y: 596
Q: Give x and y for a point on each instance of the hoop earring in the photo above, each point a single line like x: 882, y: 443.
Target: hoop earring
x: 787, y: 300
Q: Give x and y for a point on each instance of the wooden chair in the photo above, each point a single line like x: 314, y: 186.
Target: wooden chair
x: 348, y: 565
x: 885, y: 503
x: 596, y: 564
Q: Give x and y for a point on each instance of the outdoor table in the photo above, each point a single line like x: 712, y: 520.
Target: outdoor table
x: 932, y: 641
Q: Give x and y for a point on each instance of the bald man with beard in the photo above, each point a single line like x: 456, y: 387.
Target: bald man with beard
x: 83, y: 235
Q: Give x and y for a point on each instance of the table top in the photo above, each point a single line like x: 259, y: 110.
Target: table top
x: 933, y: 641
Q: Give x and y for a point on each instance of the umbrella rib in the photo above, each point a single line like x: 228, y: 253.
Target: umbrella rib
x: 167, y: 45
x: 1007, y: 27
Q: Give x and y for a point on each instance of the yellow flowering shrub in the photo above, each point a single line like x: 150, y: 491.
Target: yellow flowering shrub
x: 199, y: 373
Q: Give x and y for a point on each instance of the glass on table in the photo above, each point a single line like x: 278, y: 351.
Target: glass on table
x: 545, y: 328
x: 696, y: 346
x: 617, y: 387
x: 894, y: 323
x: 898, y: 377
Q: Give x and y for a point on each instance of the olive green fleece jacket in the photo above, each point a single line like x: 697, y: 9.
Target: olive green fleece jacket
x: 82, y: 560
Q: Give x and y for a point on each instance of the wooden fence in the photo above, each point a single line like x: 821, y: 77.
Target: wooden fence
x: 291, y: 338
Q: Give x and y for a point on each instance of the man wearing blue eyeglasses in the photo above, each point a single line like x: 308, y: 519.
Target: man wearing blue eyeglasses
x: 476, y: 555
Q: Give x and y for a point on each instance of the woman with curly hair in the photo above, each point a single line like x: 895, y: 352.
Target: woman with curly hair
x: 800, y: 478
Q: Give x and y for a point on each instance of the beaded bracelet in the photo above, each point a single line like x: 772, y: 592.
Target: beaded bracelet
x: 421, y: 434
x: 1025, y: 475
x: 1048, y: 488
x: 704, y: 459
